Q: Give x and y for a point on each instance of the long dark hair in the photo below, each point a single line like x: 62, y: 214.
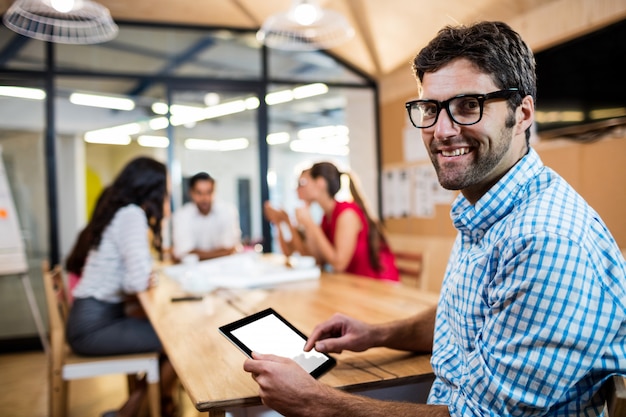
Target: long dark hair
x: 376, y: 236
x: 143, y: 182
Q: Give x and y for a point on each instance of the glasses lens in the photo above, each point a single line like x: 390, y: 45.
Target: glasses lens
x: 465, y: 110
x: 424, y: 113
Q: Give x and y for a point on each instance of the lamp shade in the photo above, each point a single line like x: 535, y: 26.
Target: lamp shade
x: 314, y: 29
x: 86, y: 22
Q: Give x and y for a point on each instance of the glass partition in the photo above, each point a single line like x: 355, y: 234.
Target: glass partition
x: 94, y: 141
x: 22, y: 150
x: 310, y: 66
x: 215, y: 131
x: 190, y: 97
x: 18, y: 52
x: 167, y: 53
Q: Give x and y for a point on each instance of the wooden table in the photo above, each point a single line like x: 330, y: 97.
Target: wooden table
x: 211, y: 369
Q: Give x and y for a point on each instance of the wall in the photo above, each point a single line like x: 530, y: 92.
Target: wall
x: 596, y: 170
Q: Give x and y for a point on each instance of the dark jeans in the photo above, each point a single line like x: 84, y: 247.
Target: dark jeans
x: 99, y: 328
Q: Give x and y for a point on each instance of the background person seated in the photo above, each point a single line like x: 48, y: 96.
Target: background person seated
x: 206, y: 227
x: 349, y: 239
x: 113, y: 257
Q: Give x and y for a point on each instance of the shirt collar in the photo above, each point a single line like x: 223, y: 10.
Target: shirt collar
x: 498, y: 200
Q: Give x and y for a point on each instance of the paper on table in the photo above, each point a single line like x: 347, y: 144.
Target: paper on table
x: 245, y: 270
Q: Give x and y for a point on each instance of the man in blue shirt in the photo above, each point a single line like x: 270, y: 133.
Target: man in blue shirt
x: 531, y: 318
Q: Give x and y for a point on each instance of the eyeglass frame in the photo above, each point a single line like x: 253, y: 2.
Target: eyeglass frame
x: 481, y: 98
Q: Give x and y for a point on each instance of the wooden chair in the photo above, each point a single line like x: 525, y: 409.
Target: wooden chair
x: 434, y: 252
x: 64, y: 365
x: 410, y: 267
x: 616, y: 396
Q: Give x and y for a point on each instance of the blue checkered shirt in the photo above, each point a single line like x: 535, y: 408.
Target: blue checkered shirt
x: 531, y: 319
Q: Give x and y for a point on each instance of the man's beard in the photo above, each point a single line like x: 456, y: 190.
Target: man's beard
x: 483, y: 163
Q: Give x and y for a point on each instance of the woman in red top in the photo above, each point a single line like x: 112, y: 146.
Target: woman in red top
x: 349, y: 239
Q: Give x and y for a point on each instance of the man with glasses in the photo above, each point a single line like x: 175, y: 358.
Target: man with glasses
x: 531, y: 318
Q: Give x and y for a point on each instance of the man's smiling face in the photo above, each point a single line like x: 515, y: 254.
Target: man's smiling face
x: 471, y: 158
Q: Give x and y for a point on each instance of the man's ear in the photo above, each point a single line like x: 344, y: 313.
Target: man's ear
x: 524, y: 115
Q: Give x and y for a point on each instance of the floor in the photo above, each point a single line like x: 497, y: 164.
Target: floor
x: 24, y: 390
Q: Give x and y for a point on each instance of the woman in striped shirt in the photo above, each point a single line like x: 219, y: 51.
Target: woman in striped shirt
x: 114, y: 261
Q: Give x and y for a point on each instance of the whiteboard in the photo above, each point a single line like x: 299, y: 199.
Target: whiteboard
x: 12, y: 251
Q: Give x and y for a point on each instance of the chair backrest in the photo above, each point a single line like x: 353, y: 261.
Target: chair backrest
x: 616, y: 396
x: 410, y: 267
x: 434, y: 252
x: 56, y: 300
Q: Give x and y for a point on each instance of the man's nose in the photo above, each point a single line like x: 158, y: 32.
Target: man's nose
x: 445, y: 126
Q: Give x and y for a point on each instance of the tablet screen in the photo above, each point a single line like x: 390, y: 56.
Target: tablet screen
x: 269, y: 332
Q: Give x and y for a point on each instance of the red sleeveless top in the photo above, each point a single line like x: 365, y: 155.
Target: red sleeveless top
x: 360, y: 263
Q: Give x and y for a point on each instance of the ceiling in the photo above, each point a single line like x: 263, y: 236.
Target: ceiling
x: 389, y: 32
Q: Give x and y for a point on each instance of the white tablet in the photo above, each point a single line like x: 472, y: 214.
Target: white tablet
x: 269, y: 332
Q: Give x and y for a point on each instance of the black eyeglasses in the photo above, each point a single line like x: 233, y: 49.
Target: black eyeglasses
x: 464, y: 109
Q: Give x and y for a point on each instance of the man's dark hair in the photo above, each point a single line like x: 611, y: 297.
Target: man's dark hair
x: 200, y: 176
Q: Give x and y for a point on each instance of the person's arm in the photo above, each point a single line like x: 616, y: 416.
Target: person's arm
x: 279, y: 218
x: 298, y: 240
x: 347, y: 230
x: 286, y: 243
x: 341, y: 332
x: 203, y: 255
x: 131, y: 234
x: 287, y: 388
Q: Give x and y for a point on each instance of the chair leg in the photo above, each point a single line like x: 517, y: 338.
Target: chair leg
x: 132, y: 382
x: 154, y: 399
x: 58, y: 395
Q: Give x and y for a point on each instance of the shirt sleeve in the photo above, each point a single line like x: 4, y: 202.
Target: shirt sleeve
x: 548, y: 319
x: 134, y: 246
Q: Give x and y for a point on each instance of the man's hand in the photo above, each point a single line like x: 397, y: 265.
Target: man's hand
x: 338, y: 333
x: 283, y: 384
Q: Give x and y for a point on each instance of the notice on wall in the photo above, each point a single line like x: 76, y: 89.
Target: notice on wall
x: 12, y: 252
x: 423, y: 198
x: 413, y: 191
x: 397, y: 192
